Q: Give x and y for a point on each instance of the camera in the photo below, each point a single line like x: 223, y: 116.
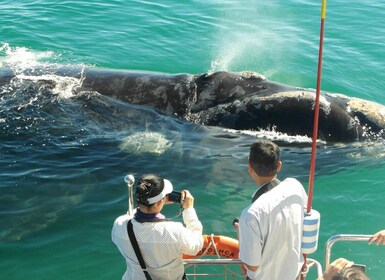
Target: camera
x: 175, y: 197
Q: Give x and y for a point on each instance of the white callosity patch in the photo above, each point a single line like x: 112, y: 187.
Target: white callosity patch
x: 373, y: 111
x: 251, y: 74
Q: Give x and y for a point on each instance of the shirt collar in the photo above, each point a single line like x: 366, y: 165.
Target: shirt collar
x: 141, y: 216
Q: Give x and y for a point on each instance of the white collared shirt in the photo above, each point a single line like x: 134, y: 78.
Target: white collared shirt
x: 161, y: 244
x: 270, y: 232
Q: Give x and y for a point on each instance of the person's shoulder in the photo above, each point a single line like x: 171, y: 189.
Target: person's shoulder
x: 291, y: 180
x: 122, y: 219
x: 293, y: 187
x: 292, y: 183
x: 172, y: 228
x: 172, y: 224
x: 258, y: 208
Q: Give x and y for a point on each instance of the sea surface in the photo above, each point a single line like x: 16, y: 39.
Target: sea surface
x: 63, y: 156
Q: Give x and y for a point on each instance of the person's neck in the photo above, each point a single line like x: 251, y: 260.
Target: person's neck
x: 140, y: 215
x: 264, y: 180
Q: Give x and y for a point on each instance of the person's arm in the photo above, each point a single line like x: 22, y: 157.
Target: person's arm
x: 250, y: 246
x: 236, y: 226
x: 378, y: 238
x: 192, y: 238
x: 190, y: 217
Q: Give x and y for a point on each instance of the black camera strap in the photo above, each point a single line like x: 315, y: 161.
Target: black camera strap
x: 135, y: 245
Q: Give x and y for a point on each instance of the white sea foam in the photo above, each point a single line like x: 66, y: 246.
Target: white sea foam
x: 35, y: 66
x: 272, y: 134
x: 20, y: 58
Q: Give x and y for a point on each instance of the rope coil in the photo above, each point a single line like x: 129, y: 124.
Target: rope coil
x: 211, y: 243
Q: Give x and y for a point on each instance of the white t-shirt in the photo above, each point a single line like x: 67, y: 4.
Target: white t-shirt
x: 270, y: 232
x: 161, y: 244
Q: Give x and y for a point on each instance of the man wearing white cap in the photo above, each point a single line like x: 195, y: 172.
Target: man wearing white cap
x: 161, y: 242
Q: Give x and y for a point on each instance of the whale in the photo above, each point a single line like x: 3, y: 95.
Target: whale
x: 235, y: 100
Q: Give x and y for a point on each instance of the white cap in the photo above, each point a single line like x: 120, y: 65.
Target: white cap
x: 167, y: 188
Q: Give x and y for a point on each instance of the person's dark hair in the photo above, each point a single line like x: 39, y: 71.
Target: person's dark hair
x: 264, y: 157
x: 148, y: 186
x: 351, y: 273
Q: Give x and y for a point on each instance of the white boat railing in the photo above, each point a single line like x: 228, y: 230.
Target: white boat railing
x: 342, y: 237
x: 231, y: 268
x: 223, y: 268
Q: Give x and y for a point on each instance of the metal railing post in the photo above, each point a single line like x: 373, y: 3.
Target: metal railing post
x: 341, y: 237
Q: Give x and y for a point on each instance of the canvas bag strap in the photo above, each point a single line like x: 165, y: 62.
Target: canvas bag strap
x: 135, y: 245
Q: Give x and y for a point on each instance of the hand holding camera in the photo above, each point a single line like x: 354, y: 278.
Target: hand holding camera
x: 185, y: 198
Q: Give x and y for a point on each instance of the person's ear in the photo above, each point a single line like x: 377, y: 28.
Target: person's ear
x: 279, y: 165
x: 250, y: 168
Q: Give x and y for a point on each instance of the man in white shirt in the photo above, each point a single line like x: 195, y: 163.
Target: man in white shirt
x: 161, y: 242
x: 270, y: 229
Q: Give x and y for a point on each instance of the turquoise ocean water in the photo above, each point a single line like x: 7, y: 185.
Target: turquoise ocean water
x: 63, y: 157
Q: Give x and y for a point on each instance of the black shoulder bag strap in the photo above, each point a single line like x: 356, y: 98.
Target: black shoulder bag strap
x: 265, y: 188
x: 135, y: 245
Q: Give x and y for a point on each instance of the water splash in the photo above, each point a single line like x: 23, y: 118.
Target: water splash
x: 272, y: 134
x: 20, y: 58
x: 36, y: 67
